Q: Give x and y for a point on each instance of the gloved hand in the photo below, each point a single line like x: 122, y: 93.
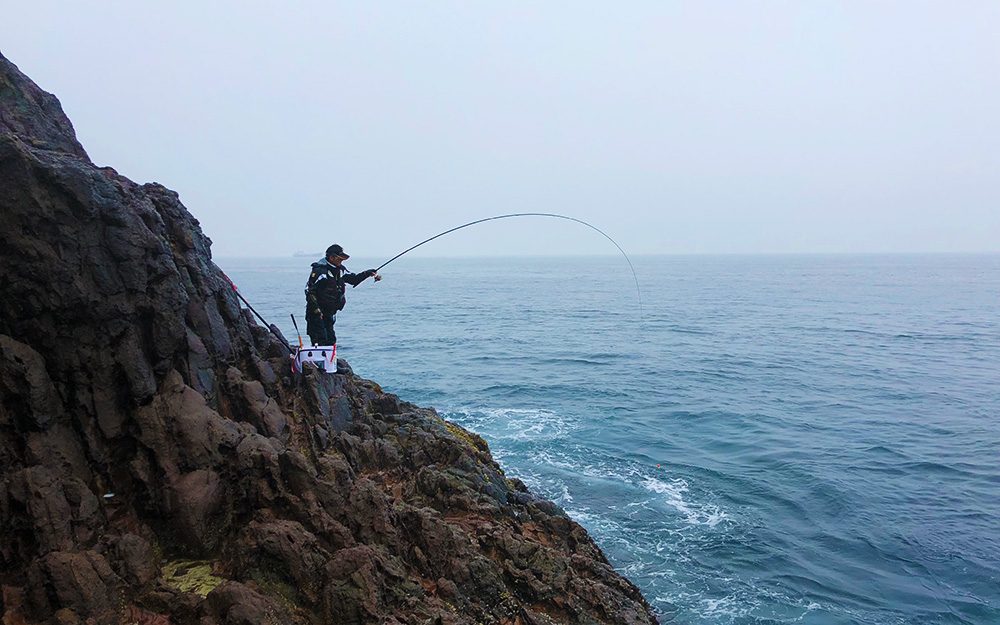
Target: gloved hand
x: 369, y: 273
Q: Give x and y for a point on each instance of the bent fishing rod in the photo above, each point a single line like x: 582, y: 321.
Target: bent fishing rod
x: 479, y: 221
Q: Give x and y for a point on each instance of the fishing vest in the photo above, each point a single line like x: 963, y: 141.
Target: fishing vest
x: 325, y: 287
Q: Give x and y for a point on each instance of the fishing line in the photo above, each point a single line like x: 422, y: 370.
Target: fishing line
x: 579, y: 221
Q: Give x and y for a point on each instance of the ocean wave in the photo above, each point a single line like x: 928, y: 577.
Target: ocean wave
x: 673, y: 493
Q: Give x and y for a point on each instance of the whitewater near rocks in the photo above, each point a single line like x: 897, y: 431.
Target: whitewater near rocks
x: 160, y: 463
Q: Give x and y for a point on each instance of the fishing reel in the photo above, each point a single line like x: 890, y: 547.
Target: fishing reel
x: 378, y: 277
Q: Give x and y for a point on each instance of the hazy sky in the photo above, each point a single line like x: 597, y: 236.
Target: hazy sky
x: 676, y: 127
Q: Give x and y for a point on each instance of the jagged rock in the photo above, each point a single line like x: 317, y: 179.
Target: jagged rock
x: 81, y: 583
x: 135, y: 560
x: 34, y: 114
x: 233, y: 603
x: 147, y: 424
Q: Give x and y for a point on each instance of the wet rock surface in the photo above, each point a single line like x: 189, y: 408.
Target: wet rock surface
x: 160, y: 463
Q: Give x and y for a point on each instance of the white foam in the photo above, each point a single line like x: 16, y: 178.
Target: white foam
x: 521, y: 424
x: 673, y: 493
x: 731, y: 607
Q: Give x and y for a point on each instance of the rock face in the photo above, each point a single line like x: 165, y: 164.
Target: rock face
x: 160, y: 463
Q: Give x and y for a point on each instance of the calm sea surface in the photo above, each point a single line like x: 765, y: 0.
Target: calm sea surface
x: 778, y: 439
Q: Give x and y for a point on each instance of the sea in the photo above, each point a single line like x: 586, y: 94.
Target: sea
x: 749, y: 439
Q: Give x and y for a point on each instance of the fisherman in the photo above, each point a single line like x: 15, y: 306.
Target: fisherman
x: 325, y: 294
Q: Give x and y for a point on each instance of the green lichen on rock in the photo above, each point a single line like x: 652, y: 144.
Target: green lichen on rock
x: 191, y: 576
x: 470, y: 438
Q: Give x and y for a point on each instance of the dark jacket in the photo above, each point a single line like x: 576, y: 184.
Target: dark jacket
x: 325, y: 288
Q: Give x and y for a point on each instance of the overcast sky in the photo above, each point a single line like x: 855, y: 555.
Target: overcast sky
x: 675, y: 127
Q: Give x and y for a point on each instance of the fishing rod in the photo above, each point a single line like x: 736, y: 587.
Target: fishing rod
x: 479, y: 221
x: 297, y: 331
x: 254, y: 311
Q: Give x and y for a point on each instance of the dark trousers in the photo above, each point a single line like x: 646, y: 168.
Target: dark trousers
x: 320, y: 331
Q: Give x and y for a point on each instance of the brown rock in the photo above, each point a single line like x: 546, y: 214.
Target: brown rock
x: 34, y: 114
x: 233, y: 603
x: 135, y: 560
x: 196, y: 500
x: 82, y: 582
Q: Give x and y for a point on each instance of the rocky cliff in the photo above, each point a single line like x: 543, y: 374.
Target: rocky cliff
x: 160, y: 463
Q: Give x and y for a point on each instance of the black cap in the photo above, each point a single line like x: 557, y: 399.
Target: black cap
x: 336, y: 250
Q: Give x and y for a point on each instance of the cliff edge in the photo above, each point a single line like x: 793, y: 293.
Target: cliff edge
x: 160, y: 463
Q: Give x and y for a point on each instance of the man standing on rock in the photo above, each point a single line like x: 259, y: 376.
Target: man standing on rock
x: 325, y: 294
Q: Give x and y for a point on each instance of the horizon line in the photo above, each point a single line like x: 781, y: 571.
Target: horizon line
x: 319, y: 254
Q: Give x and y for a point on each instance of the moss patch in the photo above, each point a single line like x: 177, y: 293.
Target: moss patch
x: 469, y: 438
x: 191, y: 576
